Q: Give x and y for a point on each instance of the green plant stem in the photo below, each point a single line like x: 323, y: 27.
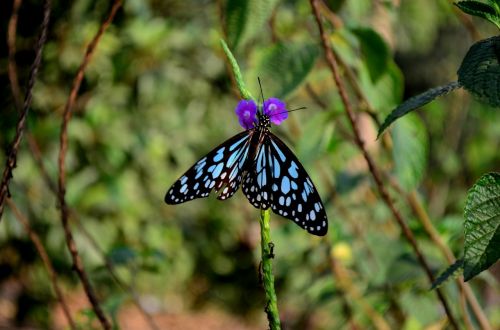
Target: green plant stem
x: 245, y: 93
x: 265, y: 230
x: 267, y: 270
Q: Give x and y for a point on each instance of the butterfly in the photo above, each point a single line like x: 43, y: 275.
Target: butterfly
x: 270, y: 174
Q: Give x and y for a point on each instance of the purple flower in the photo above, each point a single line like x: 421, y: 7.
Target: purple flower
x: 276, y: 110
x: 246, y: 110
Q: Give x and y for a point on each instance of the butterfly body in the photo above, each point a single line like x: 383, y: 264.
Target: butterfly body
x: 270, y: 174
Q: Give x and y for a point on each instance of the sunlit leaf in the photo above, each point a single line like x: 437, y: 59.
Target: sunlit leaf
x: 482, y: 225
x: 481, y: 9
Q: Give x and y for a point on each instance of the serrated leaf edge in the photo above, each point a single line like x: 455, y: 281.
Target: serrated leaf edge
x: 468, y: 209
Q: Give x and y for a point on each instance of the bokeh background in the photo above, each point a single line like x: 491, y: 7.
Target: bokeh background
x: 158, y: 95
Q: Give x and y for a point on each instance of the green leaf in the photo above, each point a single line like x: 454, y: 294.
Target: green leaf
x: 479, y: 72
x: 410, y: 151
x: 374, y: 50
x: 416, y: 102
x: 283, y: 67
x: 495, y: 4
x: 387, y: 92
x: 261, y: 11
x: 245, y: 18
x: 482, y: 10
x: 236, y: 17
x: 451, y: 272
x: 482, y: 225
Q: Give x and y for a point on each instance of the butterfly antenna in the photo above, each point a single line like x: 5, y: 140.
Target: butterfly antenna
x: 261, y: 92
x: 301, y: 108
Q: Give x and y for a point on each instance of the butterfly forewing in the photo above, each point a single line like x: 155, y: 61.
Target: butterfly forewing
x: 285, y: 186
x: 221, y: 170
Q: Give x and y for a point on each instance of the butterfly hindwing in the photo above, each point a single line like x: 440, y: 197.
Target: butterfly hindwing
x: 220, y: 169
x: 278, y: 180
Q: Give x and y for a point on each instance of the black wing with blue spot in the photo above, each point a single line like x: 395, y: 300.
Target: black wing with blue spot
x: 222, y: 170
x: 278, y: 180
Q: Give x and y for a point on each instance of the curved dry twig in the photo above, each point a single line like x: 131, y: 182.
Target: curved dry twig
x: 10, y: 163
x: 63, y: 138
x: 331, y: 61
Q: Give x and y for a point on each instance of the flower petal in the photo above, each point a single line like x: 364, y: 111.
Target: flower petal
x: 276, y: 110
x: 246, y: 111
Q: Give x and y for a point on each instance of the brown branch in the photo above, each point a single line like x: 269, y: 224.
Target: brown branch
x: 10, y: 163
x: 45, y: 259
x: 77, y: 262
x: 371, y: 164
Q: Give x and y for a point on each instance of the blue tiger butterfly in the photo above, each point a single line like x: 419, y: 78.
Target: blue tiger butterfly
x: 269, y: 172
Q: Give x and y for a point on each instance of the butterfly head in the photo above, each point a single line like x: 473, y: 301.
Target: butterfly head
x: 273, y: 110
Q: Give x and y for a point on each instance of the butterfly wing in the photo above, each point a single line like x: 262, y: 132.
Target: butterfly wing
x: 278, y: 180
x: 220, y: 169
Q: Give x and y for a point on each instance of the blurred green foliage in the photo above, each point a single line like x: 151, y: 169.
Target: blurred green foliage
x: 158, y: 95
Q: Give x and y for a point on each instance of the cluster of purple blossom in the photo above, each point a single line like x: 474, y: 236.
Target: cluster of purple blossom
x: 274, y: 108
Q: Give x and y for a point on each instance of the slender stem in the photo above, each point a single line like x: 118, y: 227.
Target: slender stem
x: 374, y: 170
x: 266, y: 247
x: 240, y: 83
x: 265, y: 230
